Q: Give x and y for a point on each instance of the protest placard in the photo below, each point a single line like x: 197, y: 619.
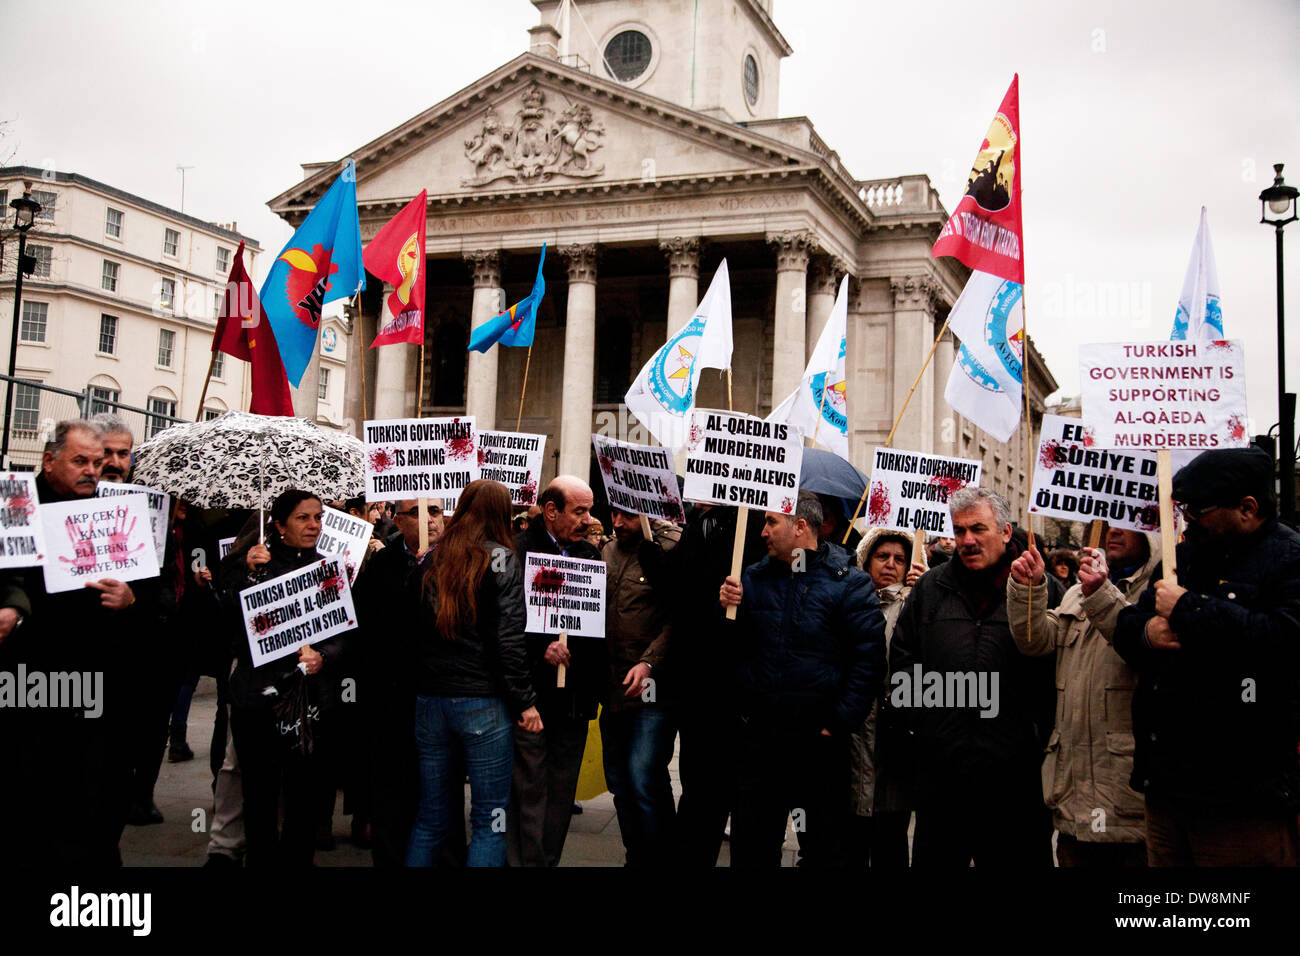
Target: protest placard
x: 1156, y: 395
x: 515, y: 460
x: 159, y: 510
x: 737, y: 459
x: 306, y: 606
x: 639, y: 479
x: 1077, y: 481
x: 419, y: 457
x: 90, y: 539
x: 564, y: 594
x: 223, y: 547
x: 22, y: 536
x: 910, y: 489
x: 344, y: 536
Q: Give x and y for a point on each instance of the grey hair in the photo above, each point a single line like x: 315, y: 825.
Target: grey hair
x: 110, y: 424
x: 809, y: 508
x: 61, y: 431
x: 965, y: 499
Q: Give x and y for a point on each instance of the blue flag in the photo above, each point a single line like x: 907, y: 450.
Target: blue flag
x: 321, y: 263
x: 513, y: 327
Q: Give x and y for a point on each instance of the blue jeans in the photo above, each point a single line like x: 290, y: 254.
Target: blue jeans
x: 481, y: 730
x: 638, y: 746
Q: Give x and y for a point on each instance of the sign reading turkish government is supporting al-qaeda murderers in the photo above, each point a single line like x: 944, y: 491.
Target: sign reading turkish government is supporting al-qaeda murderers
x: 909, y: 489
x: 515, y: 460
x: 305, y: 606
x: 1077, y: 481
x: 90, y: 539
x: 419, y: 457
x: 639, y: 479
x: 564, y: 595
x: 737, y: 459
x: 344, y: 536
x: 1158, y: 395
x: 22, y: 536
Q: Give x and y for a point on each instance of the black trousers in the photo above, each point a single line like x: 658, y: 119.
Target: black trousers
x: 268, y: 767
x: 1000, y: 827
x: 880, y: 840
x: 543, y: 788
x: 785, y: 773
x: 708, y: 741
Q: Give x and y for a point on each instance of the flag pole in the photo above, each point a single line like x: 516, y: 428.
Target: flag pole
x: 203, y: 395
x: 897, y: 421
x: 1029, y: 450
x: 523, y: 388
x: 422, y: 503
x: 359, y: 331
x: 821, y: 407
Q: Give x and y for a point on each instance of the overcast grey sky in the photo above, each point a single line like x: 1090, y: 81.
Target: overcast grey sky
x: 1133, y: 115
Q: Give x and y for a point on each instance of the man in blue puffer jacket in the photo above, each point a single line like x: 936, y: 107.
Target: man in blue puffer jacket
x: 810, y: 648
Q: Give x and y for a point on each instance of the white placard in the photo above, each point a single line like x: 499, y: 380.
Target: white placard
x: 22, y: 536
x: 1152, y: 395
x: 737, y: 459
x: 515, y: 460
x: 1077, y: 481
x: 90, y: 539
x: 910, y: 489
x: 419, y: 457
x: 564, y: 594
x: 305, y: 606
x: 223, y: 547
x: 344, y: 536
x: 159, y: 510
x: 639, y: 479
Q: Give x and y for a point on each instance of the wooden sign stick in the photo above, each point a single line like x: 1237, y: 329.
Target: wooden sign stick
x: 564, y: 642
x: 738, y: 550
x: 423, y: 518
x: 1094, y: 532
x: 645, y: 528
x: 1168, y: 529
x: 918, y: 552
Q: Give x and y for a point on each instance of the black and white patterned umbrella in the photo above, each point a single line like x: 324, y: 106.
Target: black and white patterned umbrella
x: 242, y: 460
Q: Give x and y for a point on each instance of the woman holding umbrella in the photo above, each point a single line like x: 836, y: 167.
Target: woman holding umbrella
x: 279, y: 715
x: 472, y: 678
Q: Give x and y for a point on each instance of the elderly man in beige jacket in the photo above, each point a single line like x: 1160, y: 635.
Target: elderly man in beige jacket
x: 1098, y: 817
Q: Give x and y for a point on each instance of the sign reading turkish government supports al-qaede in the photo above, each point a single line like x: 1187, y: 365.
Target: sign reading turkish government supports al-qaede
x: 910, y: 490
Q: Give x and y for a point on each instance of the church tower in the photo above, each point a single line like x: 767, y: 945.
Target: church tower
x: 718, y: 57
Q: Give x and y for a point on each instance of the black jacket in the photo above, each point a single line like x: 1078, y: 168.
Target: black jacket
x: 1216, y: 723
x: 587, y: 675
x: 247, y: 682
x: 810, y: 644
x: 954, y: 622
x: 488, y: 657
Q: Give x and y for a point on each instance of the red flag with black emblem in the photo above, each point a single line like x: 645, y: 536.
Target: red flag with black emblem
x: 243, y: 331
x: 396, y: 255
x: 985, y: 230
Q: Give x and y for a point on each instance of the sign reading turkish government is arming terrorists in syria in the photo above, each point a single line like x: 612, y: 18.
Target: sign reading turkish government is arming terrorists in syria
x: 910, y: 490
x: 737, y: 459
x: 419, y: 457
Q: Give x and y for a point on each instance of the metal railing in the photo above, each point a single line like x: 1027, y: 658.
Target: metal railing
x: 32, y: 423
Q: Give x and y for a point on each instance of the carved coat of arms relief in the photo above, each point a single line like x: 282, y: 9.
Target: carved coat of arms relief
x: 537, y: 146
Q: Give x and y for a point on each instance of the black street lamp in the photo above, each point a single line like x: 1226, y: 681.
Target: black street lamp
x: 25, y: 210
x: 1277, y: 209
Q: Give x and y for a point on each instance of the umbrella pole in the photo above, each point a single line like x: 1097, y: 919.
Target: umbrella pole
x: 890, y: 440
x: 527, y: 361
x: 203, y: 395
x: 261, y: 503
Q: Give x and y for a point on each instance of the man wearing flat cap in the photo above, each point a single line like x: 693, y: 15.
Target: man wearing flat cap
x: 1216, y: 714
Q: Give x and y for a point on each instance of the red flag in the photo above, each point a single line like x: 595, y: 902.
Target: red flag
x: 985, y: 230
x: 396, y: 255
x: 244, y: 332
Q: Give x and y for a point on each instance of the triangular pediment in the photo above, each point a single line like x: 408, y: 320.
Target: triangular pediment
x: 536, y: 124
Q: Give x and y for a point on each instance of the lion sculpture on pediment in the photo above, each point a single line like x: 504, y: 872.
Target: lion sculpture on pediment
x: 536, y: 147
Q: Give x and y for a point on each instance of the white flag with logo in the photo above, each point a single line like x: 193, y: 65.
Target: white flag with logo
x: 985, y: 383
x: 664, y: 393
x: 819, y: 405
x: 1198, y: 315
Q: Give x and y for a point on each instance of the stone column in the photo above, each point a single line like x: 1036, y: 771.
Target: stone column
x: 914, y: 304
x: 683, y: 280
x: 823, y: 282
x: 306, y: 398
x: 390, y: 371
x: 945, y: 419
x: 788, y: 357
x: 579, y: 361
x: 481, y: 370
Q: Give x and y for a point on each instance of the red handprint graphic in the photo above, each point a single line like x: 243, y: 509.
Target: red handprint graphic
x: 83, y: 546
x: 120, y: 537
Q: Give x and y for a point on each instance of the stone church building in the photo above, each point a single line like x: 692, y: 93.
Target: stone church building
x: 639, y: 139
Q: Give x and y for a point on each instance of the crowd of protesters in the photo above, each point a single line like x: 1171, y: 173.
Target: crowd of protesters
x: 892, y: 704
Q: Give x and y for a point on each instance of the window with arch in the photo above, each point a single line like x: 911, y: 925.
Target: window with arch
x: 750, y: 76
x: 162, y: 409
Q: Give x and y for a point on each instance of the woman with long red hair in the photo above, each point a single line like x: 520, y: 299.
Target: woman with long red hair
x: 473, y: 675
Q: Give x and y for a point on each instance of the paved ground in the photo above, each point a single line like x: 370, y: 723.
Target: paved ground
x: 184, y: 796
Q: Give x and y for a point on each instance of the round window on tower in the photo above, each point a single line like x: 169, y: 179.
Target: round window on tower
x: 627, y: 55
x: 751, y: 79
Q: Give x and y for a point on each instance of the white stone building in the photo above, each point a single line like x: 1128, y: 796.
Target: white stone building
x: 121, y: 309
x: 639, y: 140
